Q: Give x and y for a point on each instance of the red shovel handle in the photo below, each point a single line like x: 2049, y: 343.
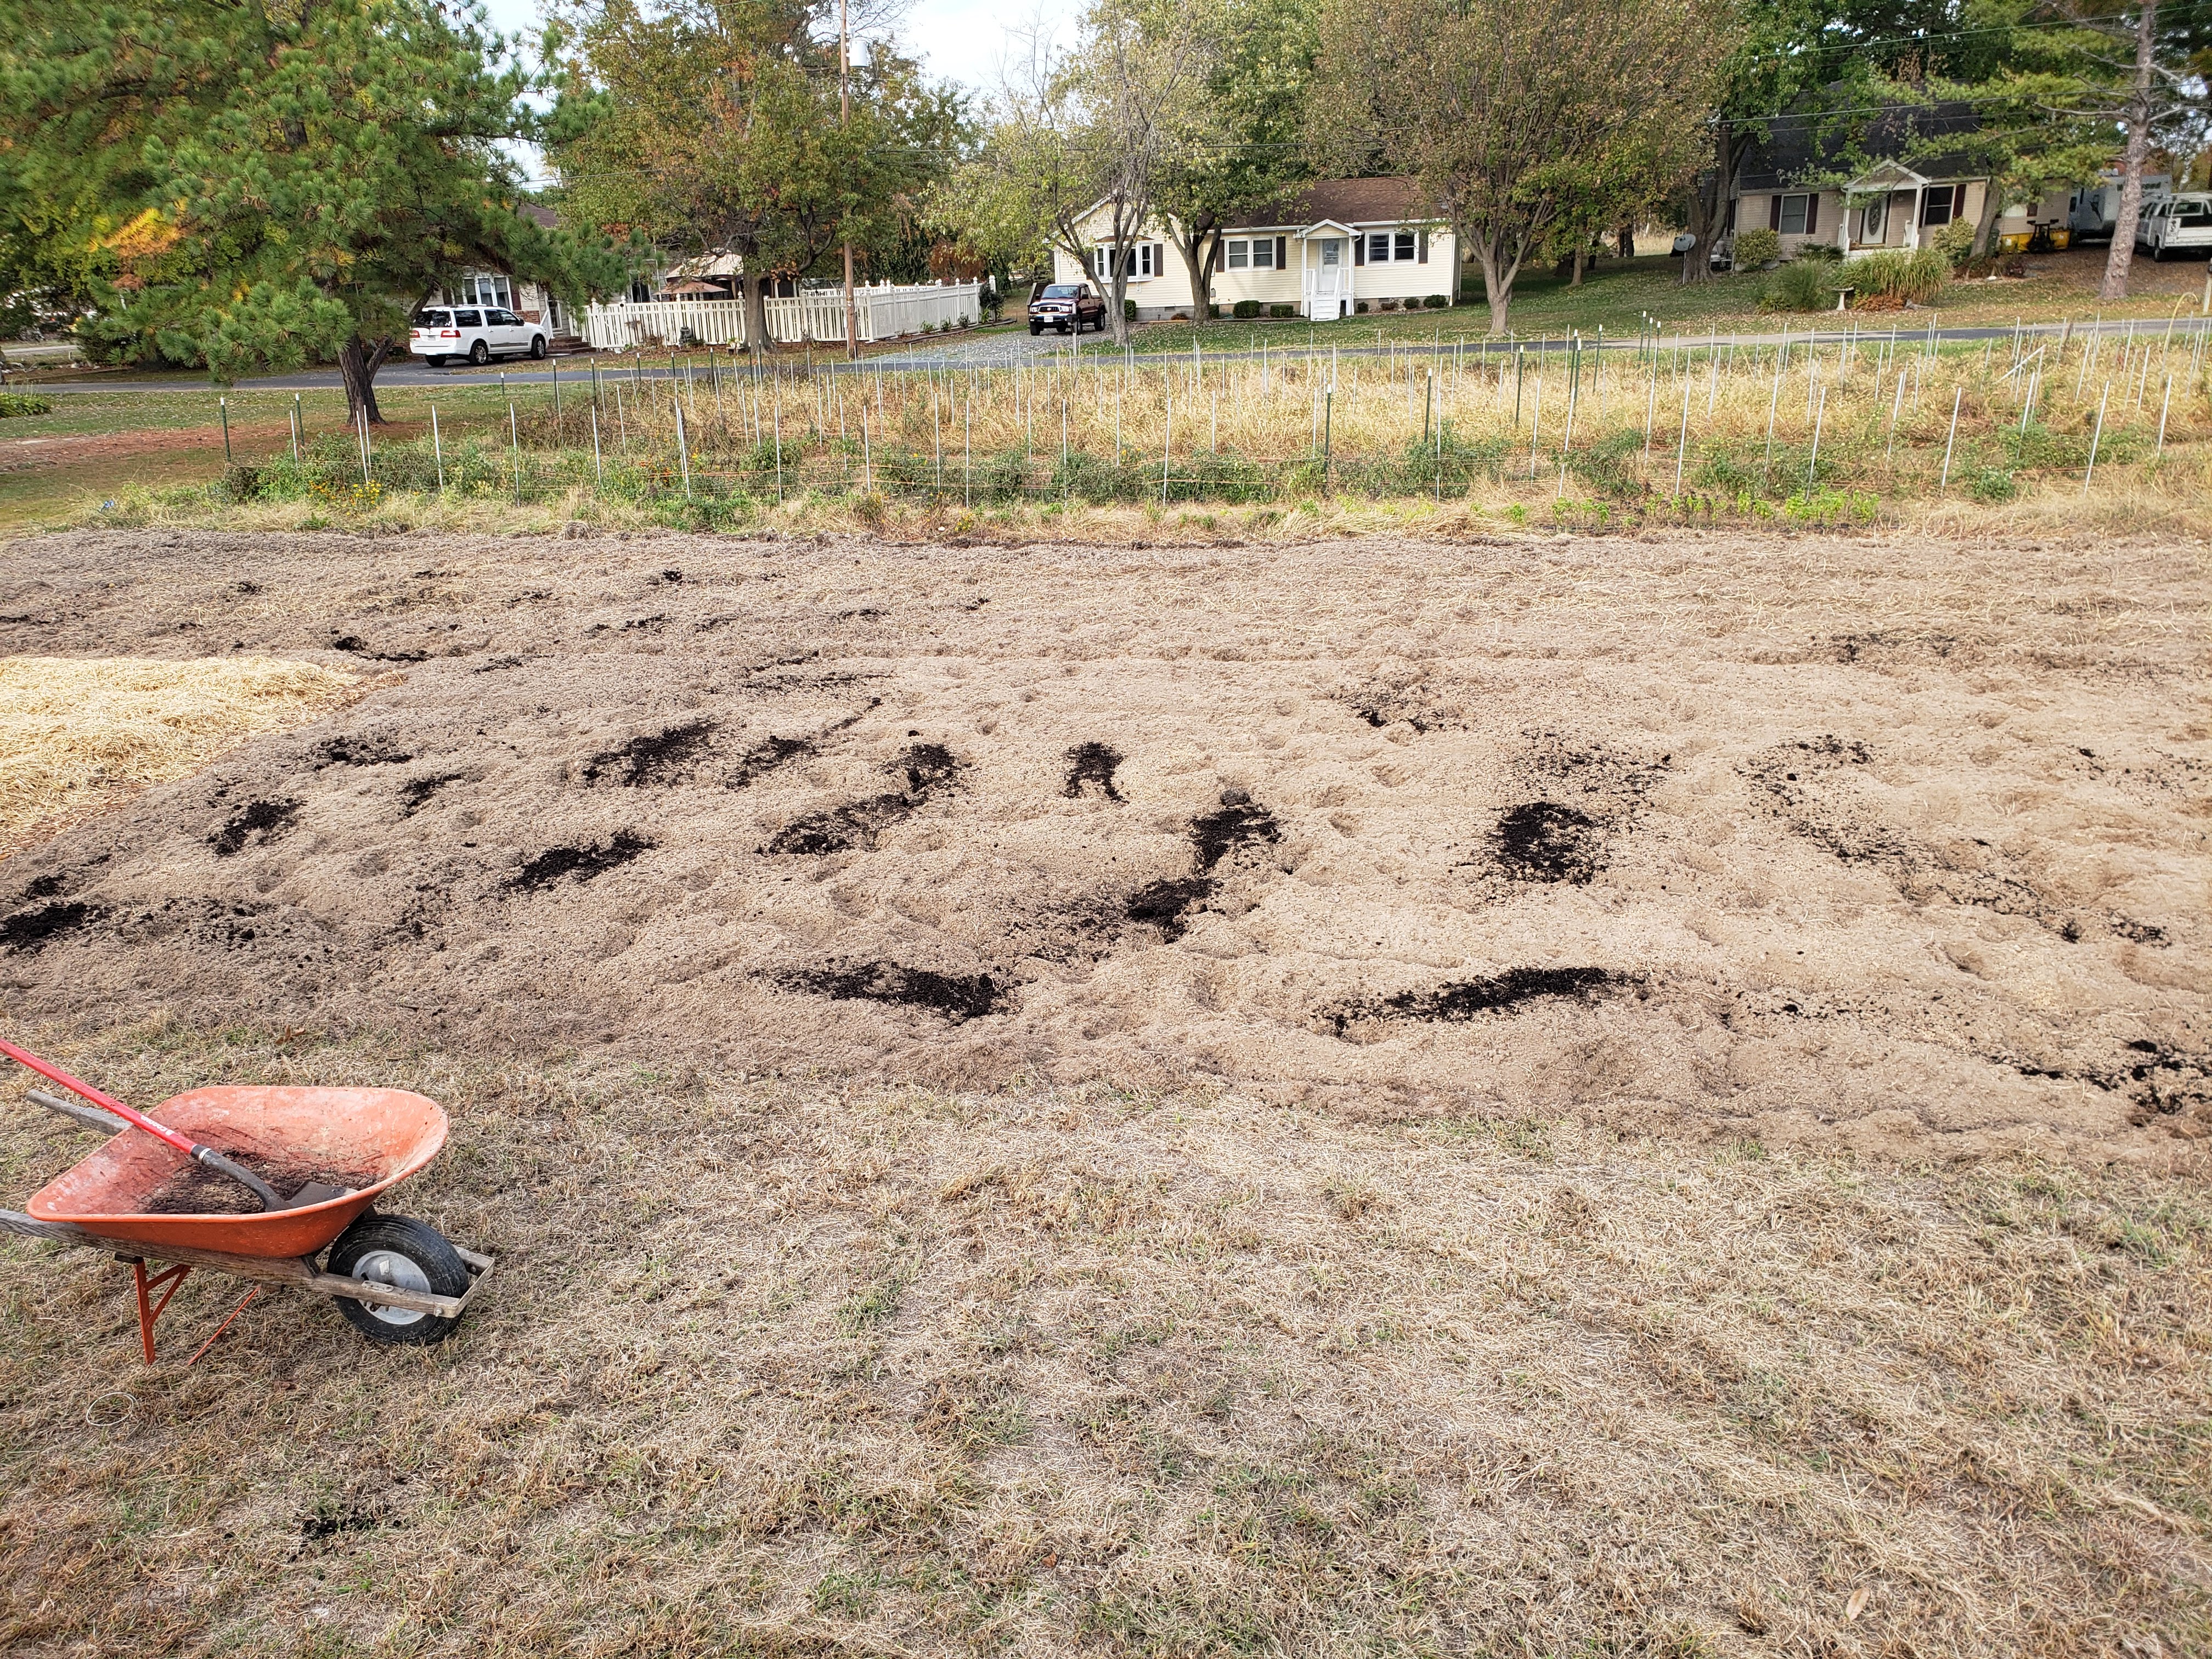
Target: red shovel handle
x: 55, y: 1074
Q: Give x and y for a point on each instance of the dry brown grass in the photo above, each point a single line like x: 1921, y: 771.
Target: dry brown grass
x: 77, y: 734
x: 781, y: 1366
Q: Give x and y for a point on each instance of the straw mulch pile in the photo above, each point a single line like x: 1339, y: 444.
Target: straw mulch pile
x: 78, y: 734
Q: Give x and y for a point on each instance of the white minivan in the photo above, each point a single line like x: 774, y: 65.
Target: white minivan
x: 479, y: 333
x: 2175, y: 224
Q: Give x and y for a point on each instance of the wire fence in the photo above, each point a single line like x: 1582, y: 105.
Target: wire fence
x: 1780, y: 420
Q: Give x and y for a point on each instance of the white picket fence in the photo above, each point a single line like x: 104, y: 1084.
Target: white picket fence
x: 885, y: 312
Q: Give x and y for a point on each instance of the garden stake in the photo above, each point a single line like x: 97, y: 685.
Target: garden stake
x: 2097, y: 439
x: 223, y: 408
x: 682, y: 451
x: 1773, y: 404
x: 1682, y: 444
x: 1820, y: 415
x: 515, y: 444
x: 1327, y: 428
x: 437, y: 449
x: 296, y: 426
x: 2165, y: 404
x: 1944, y: 483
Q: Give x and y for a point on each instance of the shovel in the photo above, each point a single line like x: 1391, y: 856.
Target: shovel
x: 114, y: 1115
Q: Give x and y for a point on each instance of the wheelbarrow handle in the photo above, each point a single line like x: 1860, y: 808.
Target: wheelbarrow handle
x: 54, y: 1073
x: 90, y: 1116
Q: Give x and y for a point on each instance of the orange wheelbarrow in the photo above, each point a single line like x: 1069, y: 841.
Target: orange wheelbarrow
x: 395, y: 1278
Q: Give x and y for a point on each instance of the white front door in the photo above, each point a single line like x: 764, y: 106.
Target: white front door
x: 1328, y: 283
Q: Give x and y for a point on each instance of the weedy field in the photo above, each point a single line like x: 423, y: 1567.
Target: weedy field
x: 1477, y: 1093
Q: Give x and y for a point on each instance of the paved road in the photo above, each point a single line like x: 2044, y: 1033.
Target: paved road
x: 999, y: 351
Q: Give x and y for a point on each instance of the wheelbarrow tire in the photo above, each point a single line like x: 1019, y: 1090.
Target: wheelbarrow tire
x: 398, y: 1249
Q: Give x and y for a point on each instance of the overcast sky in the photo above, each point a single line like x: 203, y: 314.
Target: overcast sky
x: 960, y: 40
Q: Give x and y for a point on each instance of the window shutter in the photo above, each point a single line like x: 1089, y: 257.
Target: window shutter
x: 1812, y: 213
x: 1359, y: 249
x: 1774, y: 212
x: 1958, y: 201
x: 1282, y: 250
x: 1421, y: 249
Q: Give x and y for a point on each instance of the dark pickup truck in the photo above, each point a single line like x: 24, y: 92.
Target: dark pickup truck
x: 1070, y: 307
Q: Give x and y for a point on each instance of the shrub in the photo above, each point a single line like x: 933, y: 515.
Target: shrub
x: 1801, y: 285
x: 1360, y: 308
x: 1282, y: 308
x: 1755, y: 250
x: 1437, y: 301
x: 1955, y: 241
x: 1905, y: 278
x: 24, y: 403
x: 1212, y: 309
x: 1245, y: 308
x: 1128, y: 311
x: 1388, y: 305
x: 1818, y: 250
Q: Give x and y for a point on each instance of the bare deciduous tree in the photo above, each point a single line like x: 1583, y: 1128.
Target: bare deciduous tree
x: 1092, y: 130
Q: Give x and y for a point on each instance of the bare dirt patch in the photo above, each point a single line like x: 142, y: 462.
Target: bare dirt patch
x: 1901, y: 845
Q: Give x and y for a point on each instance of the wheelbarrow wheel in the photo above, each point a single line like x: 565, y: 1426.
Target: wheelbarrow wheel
x: 405, y: 1253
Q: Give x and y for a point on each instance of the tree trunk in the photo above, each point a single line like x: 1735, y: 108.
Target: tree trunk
x: 1497, y: 284
x: 2123, y: 252
x: 1577, y: 280
x: 1992, y: 206
x: 1708, y: 209
x: 1628, y: 242
x: 358, y: 362
x: 756, y: 339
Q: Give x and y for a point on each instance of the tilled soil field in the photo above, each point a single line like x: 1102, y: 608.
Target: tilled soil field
x: 1877, y: 842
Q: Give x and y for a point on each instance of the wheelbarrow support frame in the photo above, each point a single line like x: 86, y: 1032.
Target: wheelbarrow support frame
x: 299, y: 1273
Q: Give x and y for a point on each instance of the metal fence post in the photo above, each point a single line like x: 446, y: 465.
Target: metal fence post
x: 223, y: 408
x: 437, y: 449
x: 682, y: 451
x: 1943, y: 482
x: 599, y: 472
x: 515, y: 444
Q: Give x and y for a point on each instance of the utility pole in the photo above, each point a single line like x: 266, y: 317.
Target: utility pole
x: 844, y: 119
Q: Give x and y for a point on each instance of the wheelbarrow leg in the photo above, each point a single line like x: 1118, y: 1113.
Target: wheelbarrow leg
x: 165, y: 1281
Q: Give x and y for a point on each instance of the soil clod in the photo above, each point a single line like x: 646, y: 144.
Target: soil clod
x: 1466, y: 1000
x: 659, y: 757
x: 259, y: 822
x: 585, y: 863
x: 1090, y: 764
x: 1548, y: 840
x: 356, y: 752
x: 26, y: 930
x: 957, y: 996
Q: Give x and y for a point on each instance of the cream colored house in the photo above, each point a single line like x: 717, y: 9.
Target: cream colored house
x: 1325, y: 250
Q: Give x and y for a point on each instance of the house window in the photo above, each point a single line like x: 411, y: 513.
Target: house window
x: 1796, y: 214
x: 1263, y: 254
x: 488, y: 289
x: 1145, y: 259
x: 1258, y: 254
x: 640, y: 291
x: 1402, y: 247
x: 1378, y: 247
x: 1239, y: 256
x: 1942, y: 202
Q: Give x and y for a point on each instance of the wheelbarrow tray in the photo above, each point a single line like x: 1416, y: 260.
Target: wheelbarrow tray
x: 385, y: 1133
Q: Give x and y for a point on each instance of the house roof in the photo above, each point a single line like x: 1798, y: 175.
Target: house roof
x: 1796, y: 147
x: 1346, y: 201
x: 543, y: 217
